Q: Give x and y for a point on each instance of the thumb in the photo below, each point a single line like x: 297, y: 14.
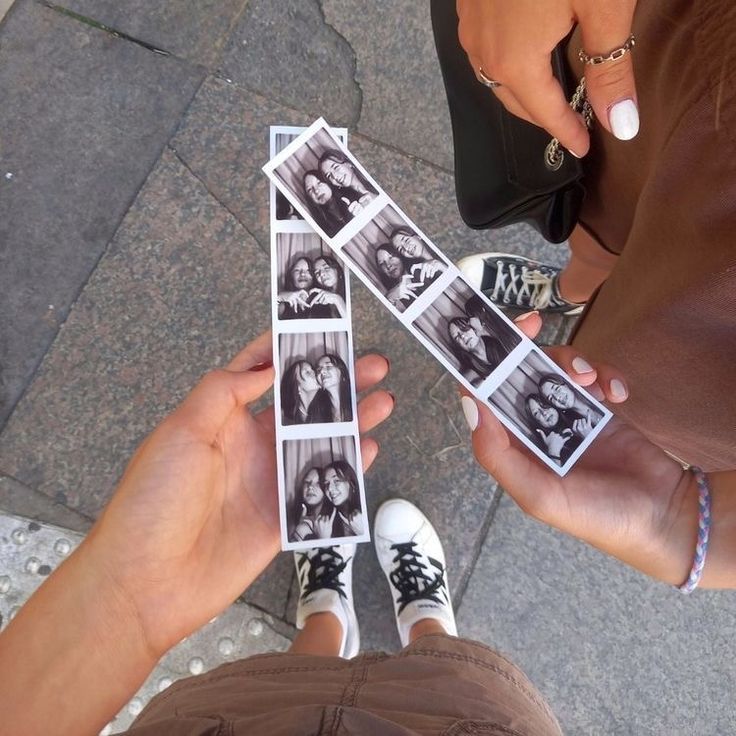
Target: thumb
x: 611, y: 85
x: 345, y: 199
x: 217, y: 395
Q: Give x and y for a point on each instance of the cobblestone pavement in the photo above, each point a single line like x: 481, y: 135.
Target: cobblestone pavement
x: 134, y: 236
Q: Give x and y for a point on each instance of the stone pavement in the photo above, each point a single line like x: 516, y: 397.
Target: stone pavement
x: 134, y: 242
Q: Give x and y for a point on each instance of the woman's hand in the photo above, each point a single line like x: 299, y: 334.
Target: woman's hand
x: 427, y: 269
x: 554, y: 442
x: 583, y: 427
x: 512, y: 43
x: 405, y: 289
x: 195, y: 518
x: 323, y: 524
x: 320, y: 296
x: 304, y: 527
x: 295, y: 299
x: 354, y: 208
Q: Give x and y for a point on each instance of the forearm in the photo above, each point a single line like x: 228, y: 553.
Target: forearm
x: 666, y: 552
x: 73, y: 655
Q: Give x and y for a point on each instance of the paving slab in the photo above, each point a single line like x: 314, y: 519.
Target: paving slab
x: 19, y: 499
x: 613, y: 651
x: 181, y: 289
x: 30, y: 552
x: 399, y: 76
x: 284, y: 49
x: 197, y: 31
x: 84, y: 118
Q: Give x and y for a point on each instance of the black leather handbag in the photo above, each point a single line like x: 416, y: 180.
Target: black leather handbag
x: 506, y: 170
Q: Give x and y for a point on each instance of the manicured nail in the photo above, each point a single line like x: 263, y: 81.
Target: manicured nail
x: 623, y: 117
x: 526, y: 315
x: 619, y: 392
x: 261, y: 366
x: 577, y: 155
x: 581, y: 365
x: 470, y: 409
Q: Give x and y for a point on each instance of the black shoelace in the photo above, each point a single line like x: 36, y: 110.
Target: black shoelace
x: 325, y: 567
x: 410, y: 577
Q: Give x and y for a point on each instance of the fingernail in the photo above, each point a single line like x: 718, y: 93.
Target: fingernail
x: 577, y: 155
x: 524, y: 316
x: 623, y: 117
x: 581, y: 365
x: 393, y: 396
x: 618, y: 390
x: 470, y: 410
x: 261, y: 366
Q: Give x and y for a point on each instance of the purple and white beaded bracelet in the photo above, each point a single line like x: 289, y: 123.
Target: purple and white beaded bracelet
x: 704, y: 517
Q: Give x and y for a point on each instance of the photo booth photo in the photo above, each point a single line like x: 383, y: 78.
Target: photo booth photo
x: 472, y: 337
x: 546, y: 408
x: 398, y: 262
x: 311, y: 278
x: 326, y: 181
x: 315, y: 385
x: 323, y: 496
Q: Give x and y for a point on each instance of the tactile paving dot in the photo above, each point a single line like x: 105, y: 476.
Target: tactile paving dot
x: 29, y: 551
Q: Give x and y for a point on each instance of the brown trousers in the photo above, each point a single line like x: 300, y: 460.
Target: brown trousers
x: 665, y: 204
x: 438, y: 685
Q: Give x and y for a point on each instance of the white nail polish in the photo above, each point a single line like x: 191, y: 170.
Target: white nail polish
x: 470, y: 410
x: 623, y: 117
x: 580, y: 365
x: 618, y: 390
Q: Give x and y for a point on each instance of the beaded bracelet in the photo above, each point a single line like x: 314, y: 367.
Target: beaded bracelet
x: 701, y: 546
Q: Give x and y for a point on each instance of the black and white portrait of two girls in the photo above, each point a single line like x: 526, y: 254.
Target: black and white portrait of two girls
x: 315, y: 386
x: 326, y: 182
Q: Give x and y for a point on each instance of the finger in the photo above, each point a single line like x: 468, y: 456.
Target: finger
x: 374, y: 409
x: 604, y: 382
x: 216, y: 396
x: 530, y: 323
x: 255, y: 352
x: 505, y: 96
x: 368, y: 451
x: 611, y: 86
x: 540, y: 93
x: 580, y: 370
x: 534, y: 487
x: 369, y: 370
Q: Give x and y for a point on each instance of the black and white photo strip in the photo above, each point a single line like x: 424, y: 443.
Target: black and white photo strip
x: 473, y: 337
x: 315, y: 385
x: 281, y: 137
x: 324, y: 180
x: 325, y: 502
x: 310, y: 278
x: 399, y: 263
x: 321, y: 490
x: 474, y: 340
x: 547, y: 409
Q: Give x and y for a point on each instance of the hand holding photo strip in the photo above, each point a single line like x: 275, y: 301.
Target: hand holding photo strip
x: 321, y: 488
x: 410, y: 275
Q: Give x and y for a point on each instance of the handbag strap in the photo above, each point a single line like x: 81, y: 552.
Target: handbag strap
x: 554, y: 154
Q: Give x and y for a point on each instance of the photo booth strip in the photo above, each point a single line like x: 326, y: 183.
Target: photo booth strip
x: 317, y: 438
x: 420, y: 286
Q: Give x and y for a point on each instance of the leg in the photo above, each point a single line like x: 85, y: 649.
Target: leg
x: 321, y: 635
x: 588, y: 267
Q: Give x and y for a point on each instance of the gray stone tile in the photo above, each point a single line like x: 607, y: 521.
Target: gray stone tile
x: 84, y: 117
x: 614, y: 652
x: 181, y: 288
x: 404, y: 102
x: 285, y: 50
x: 196, y: 31
x: 20, y: 500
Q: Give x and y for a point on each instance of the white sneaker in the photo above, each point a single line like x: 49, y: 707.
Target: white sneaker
x: 410, y: 554
x: 326, y: 585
